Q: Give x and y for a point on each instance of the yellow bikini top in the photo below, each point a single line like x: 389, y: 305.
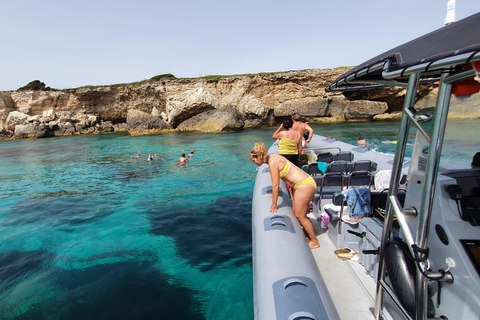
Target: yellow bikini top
x: 282, y: 172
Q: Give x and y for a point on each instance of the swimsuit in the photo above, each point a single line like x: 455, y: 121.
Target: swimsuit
x: 282, y: 172
x: 308, y: 181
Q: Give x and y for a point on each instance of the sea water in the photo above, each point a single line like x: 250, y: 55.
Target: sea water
x: 87, y: 231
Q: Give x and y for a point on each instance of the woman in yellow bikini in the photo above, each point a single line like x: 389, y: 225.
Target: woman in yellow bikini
x: 304, y: 186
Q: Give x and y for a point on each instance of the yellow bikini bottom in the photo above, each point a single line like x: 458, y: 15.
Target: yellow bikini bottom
x: 309, y: 181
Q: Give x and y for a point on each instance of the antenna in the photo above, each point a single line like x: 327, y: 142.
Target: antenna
x: 450, y: 18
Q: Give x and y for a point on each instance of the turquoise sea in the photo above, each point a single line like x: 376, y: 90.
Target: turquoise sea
x: 88, y: 233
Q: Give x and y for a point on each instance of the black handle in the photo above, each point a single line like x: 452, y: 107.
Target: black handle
x: 358, y: 234
x: 376, y: 251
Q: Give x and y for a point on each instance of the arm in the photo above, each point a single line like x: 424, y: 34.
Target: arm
x: 310, y: 132
x: 276, y: 135
x: 274, y: 174
x: 303, y: 145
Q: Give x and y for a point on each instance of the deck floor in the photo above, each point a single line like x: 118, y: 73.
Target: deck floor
x: 351, y: 287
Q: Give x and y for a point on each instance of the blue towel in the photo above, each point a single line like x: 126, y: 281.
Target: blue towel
x: 358, y: 201
x: 322, y: 166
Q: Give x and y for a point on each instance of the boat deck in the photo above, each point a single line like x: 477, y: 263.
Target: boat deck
x: 352, y: 289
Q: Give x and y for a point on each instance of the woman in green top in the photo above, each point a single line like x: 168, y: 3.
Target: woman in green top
x: 289, y: 145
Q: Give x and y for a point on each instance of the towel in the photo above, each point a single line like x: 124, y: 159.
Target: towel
x: 322, y: 166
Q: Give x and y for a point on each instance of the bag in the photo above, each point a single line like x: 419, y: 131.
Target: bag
x: 379, y: 203
x: 325, y: 221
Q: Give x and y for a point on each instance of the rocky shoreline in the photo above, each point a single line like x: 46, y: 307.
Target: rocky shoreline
x: 165, y: 104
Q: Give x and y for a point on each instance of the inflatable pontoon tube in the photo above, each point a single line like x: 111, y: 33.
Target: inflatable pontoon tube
x: 287, y: 282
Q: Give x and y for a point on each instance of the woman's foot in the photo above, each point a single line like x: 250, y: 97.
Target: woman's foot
x: 314, y: 244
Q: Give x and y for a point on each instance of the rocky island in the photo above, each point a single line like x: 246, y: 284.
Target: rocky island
x: 210, y: 104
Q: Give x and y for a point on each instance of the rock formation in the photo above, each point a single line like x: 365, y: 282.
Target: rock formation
x: 162, y: 104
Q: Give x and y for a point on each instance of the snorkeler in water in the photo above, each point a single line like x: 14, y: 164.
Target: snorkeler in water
x: 137, y: 156
x: 182, y: 159
x: 361, y: 142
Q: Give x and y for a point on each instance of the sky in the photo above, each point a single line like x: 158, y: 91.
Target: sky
x: 69, y: 44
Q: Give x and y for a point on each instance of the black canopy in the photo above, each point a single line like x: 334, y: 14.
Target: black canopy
x: 454, y: 44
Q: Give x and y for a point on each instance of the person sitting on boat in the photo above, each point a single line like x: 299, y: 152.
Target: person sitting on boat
x: 304, y: 186
x: 289, y: 145
x: 182, y: 159
x: 302, y: 127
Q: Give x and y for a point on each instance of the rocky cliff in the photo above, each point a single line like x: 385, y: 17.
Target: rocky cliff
x: 201, y: 104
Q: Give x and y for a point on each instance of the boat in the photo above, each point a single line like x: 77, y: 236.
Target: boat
x: 416, y: 255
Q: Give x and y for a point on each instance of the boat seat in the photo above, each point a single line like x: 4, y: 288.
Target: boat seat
x: 359, y: 178
x: 344, y: 156
x: 327, y: 185
x: 331, y: 183
x: 318, y: 178
x: 312, y: 168
x: 338, y: 166
x: 324, y: 157
x: 364, y: 165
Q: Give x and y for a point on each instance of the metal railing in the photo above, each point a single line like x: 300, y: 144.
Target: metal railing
x: 423, y: 213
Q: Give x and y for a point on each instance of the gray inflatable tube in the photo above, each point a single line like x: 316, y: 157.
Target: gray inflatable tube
x: 287, y: 282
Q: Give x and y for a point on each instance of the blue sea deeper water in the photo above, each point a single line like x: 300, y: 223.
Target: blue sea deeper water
x: 88, y: 233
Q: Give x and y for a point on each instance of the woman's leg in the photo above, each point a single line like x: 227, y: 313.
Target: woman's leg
x: 301, y: 200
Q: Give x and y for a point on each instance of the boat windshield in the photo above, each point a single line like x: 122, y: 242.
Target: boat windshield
x: 462, y: 126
